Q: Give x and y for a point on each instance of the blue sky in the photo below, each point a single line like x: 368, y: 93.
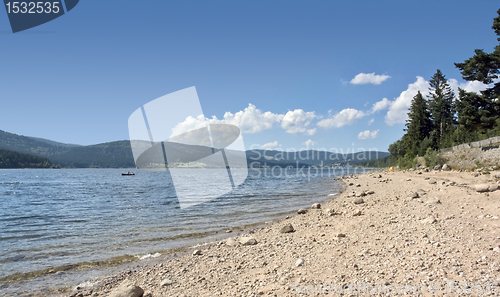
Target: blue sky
x: 288, y: 72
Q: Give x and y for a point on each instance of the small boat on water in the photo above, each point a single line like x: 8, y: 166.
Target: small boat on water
x: 128, y: 173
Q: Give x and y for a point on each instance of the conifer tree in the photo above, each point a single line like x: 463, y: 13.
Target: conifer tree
x: 441, y: 107
x: 485, y: 68
x: 418, y: 125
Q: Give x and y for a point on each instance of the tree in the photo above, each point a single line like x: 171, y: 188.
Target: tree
x: 475, y: 111
x: 485, y: 67
x: 441, y: 107
x: 418, y: 125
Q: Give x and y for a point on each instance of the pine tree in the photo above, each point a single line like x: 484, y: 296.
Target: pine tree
x: 441, y: 107
x: 418, y: 125
x: 475, y: 111
x: 485, y: 68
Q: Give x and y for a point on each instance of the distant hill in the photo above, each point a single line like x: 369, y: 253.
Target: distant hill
x: 118, y: 154
x: 10, y: 159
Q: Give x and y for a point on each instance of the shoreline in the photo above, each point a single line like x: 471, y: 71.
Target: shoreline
x: 128, y: 262
x: 413, y: 229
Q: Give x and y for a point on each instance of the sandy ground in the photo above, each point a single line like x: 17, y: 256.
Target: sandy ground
x: 415, y: 231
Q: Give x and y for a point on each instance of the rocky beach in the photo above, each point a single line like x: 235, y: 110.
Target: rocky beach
x: 419, y: 232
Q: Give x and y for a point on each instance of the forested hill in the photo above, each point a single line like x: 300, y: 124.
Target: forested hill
x: 10, y: 159
x: 118, y: 154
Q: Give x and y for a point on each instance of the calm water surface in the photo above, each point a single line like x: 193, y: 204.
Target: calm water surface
x: 52, y: 218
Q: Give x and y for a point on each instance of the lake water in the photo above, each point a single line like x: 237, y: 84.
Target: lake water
x: 53, y: 218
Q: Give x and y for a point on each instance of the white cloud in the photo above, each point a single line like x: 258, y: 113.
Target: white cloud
x: 189, y: 124
x: 311, y: 131
x: 250, y: 120
x: 347, y: 116
x: 270, y: 145
x: 381, y: 105
x: 469, y: 86
x: 309, y: 142
x: 369, y: 78
x: 367, y: 134
x: 371, y: 122
x: 398, y: 110
x: 298, y: 121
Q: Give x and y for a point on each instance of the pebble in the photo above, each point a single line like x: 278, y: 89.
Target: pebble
x: 299, y: 262
x: 359, y: 201
x: 316, y: 206
x: 287, y: 228
x: 248, y: 241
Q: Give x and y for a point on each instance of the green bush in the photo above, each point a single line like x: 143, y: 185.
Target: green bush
x: 407, y: 161
x: 433, y: 158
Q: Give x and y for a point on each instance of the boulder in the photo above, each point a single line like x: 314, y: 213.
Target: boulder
x: 302, y: 211
x: 196, y: 252
x: 287, y: 228
x: 437, y: 167
x: 360, y: 194
x: 482, y: 188
x: 248, y: 241
x: 316, y: 206
x: 329, y: 212
x: 356, y: 213
x: 166, y: 282
x: 127, y: 289
x: 429, y: 220
x: 359, y: 201
x: 432, y: 182
x: 446, y: 167
x: 414, y: 195
x: 370, y: 192
x: 231, y: 242
x: 493, y: 188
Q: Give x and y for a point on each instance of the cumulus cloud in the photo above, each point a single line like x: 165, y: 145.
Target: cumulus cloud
x: 309, y: 142
x: 298, y: 121
x: 347, y: 116
x: 381, y: 105
x: 469, y: 86
x: 270, y: 145
x: 369, y: 78
x: 189, y: 124
x: 371, y: 122
x: 398, y: 110
x: 368, y: 134
x: 250, y: 120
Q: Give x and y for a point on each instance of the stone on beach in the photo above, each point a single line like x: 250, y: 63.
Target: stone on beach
x: 166, y: 282
x: 287, y: 228
x: 248, y: 241
x: 231, y: 242
x: 359, y: 201
x: 299, y: 262
x: 316, y: 206
x: 446, y: 167
x: 482, y: 188
x: 196, y: 252
x: 493, y: 188
x: 330, y: 211
x: 429, y: 220
x: 127, y: 289
x: 356, y: 213
x: 302, y: 211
